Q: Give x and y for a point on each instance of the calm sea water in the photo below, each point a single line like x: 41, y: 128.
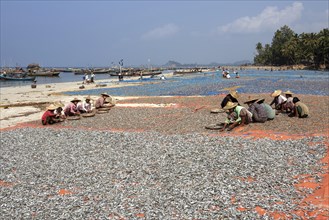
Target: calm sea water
x: 211, y: 83
x: 63, y: 77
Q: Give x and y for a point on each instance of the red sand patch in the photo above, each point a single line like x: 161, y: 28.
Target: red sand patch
x: 64, y: 192
x: 6, y: 184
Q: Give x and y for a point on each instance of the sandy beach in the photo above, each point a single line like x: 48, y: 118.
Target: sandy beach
x: 155, y: 124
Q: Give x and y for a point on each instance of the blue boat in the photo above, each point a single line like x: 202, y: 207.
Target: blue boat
x: 16, y: 78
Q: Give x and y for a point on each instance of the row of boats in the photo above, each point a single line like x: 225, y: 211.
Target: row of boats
x: 19, y: 74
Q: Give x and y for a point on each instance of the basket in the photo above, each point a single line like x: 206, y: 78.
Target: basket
x: 73, y: 117
x: 88, y: 114
x: 214, y: 126
x: 217, y: 110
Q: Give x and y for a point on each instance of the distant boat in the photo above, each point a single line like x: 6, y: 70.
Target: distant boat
x: 149, y: 73
x: 44, y: 73
x: 101, y: 71
x: 186, y: 71
x: 16, y: 78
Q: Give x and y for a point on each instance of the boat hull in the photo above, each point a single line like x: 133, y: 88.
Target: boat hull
x: 50, y: 74
x: 17, y: 79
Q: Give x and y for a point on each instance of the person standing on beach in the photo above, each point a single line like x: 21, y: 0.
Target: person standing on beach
x: 92, y: 76
x: 278, y: 100
x: 243, y: 116
x: 258, y: 112
x: 300, y: 109
x: 49, y: 117
x: 71, y: 109
x: 232, y: 97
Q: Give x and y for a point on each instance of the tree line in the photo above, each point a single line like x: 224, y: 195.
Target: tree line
x: 289, y: 48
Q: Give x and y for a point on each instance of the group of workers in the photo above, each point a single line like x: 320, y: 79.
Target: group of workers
x: 87, y: 80
x: 258, y: 110
x: 226, y: 74
x: 58, y: 112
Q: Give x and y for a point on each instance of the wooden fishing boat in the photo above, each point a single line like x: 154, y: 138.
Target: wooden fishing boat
x: 44, y: 73
x: 149, y: 73
x: 16, y: 78
x: 101, y: 71
x: 186, y: 71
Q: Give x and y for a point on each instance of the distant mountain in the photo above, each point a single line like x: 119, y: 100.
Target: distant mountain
x: 175, y: 64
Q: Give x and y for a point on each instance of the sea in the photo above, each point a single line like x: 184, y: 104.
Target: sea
x: 199, y: 84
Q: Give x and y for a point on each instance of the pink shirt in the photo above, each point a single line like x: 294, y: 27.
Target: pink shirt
x: 70, y: 109
x: 99, y: 102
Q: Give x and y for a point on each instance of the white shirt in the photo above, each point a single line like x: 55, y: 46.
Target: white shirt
x: 85, y: 106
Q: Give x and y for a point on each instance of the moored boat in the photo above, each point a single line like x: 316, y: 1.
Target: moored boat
x: 186, y: 71
x: 44, y: 73
x: 16, y: 78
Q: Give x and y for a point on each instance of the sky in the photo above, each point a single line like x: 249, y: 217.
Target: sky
x: 69, y: 33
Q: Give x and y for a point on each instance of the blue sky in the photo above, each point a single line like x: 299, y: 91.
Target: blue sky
x: 97, y: 33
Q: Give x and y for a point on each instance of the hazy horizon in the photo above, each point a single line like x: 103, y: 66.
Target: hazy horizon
x: 101, y: 33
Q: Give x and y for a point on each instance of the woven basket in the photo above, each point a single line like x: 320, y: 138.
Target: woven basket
x: 88, y: 114
x: 73, y: 117
x: 214, y: 126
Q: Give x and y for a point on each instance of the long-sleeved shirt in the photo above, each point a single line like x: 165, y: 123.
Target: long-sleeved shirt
x: 278, y: 100
x: 46, y: 115
x: 71, y: 109
x: 269, y: 111
x: 258, y: 112
x: 84, y: 106
x: 100, y: 102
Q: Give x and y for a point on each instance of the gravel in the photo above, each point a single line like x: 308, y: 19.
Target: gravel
x: 51, y: 173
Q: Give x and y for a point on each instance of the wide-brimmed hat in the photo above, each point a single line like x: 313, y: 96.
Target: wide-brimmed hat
x: 260, y: 100
x: 88, y: 98
x: 251, y: 99
x: 288, y: 92
x: 276, y: 93
x: 234, y: 94
x: 105, y: 94
x: 230, y: 105
x: 51, y: 107
x: 75, y: 100
x: 59, y: 104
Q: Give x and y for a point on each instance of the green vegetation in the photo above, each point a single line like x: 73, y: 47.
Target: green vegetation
x: 289, y: 48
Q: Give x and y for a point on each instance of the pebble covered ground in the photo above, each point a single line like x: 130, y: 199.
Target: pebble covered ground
x: 161, y: 163
x: 88, y: 174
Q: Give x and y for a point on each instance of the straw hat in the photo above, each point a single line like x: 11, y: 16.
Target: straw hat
x: 276, y: 93
x: 234, y: 94
x: 288, y: 92
x: 250, y: 99
x: 51, y: 107
x: 75, y: 100
x: 105, y: 94
x: 59, y: 104
x: 260, y: 100
x: 230, y: 105
x: 88, y: 98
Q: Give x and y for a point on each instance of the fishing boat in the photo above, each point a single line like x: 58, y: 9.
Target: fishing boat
x: 149, y: 73
x: 44, y: 73
x: 16, y: 78
x: 101, y: 71
x: 186, y: 71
